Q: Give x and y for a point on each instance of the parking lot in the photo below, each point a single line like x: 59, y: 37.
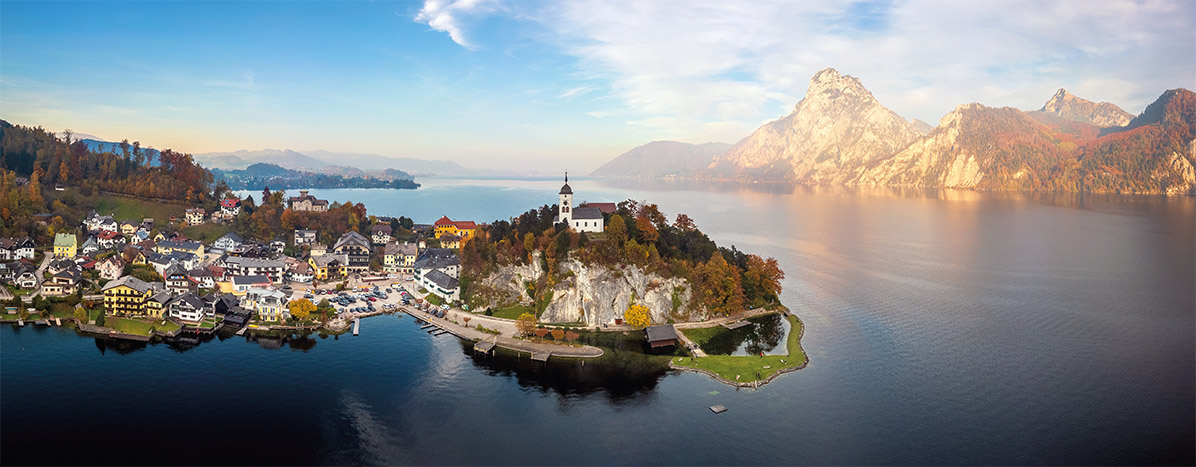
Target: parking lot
x: 380, y: 297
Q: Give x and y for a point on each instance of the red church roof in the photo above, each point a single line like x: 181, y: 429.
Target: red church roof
x: 444, y: 220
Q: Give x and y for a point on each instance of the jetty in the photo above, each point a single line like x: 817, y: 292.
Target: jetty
x: 541, y: 355
x: 487, y: 342
x: 483, y: 346
x: 356, y: 326
x: 736, y: 325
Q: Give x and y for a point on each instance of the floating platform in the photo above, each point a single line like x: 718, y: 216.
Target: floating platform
x: 483, y: 346
x: 718, y: 408
x: 736, y: 325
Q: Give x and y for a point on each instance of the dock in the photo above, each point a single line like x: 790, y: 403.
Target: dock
x: 483, y: 346
x: 356, y: 326
x: 241, y: 332
x: 718, y: 408
x: 736, y: 325
x: 58, y: 320
x: 541, y: 355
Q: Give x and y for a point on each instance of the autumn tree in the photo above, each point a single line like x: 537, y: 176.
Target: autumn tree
x: 637, y: 316
x: 526, y: 324
x: 616, y: 230
x: 647, y: 231
x: 541, y: 332
x: 301, y: 308
x: 721, y: 289
x: 571, y: 336
x: 80, y: 315
x: 762, y: 280
x: 558, y: 334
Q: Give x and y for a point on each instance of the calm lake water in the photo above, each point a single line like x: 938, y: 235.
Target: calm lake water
x: 942, y: 327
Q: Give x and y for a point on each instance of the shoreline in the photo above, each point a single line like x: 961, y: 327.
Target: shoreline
x: 760, y: 382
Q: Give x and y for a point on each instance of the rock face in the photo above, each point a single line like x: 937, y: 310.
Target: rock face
x: 837, y: 128
x: 922, y: 127
x: 662, y: 159
x: 1071, y: 107
x: 597, y: 295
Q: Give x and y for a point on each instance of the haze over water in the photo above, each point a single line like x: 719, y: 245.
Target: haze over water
x: 945, y: 327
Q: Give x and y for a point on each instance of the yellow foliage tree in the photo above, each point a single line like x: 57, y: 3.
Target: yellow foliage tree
x: 637, y: 316
x: 526, y: 324
x: 301, y: 308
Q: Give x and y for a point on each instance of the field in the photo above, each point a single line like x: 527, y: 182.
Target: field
x: 206, y: 233
x: 750, y: 368
x: 511, y: 312
x: 125, y: 208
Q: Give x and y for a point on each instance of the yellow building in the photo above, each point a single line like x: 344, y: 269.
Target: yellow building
x: 64, y: 245
x: 400, y: 257
x: 449, y: 241
x: 155, y: 307
x: 326, y: 267
x: 127, y: 296
x: 463, y: 229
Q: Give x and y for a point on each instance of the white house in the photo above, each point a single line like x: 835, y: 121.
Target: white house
x: 270, y: 305
x: 438, y: 270
x: 228, y: 241
x: 188, y: 308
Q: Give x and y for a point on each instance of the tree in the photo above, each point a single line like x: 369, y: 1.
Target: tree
x: 684, y: 223
x: 541, y: 332
x: 616, y: 230
x: 637, y: 316
x: 721, y: 289
x: 80, y: 315
x: 101, y: 319
x: 571, y: 336
x: 526, y: 324
x: 301, y: 308
x: 558, y: 334
x: 762, y: 279
x: 647, y: 231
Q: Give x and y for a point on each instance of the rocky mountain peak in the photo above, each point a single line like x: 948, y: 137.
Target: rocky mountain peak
x: 829, y: 83
x: 1075, y: 108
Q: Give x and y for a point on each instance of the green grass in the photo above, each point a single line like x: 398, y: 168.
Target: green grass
x: 62, y: 310
x: 124, y: 208
x: 746, y: 368
x: 511, y: 312
x: 170, y: 326
x: 433, y: 299
x: 701, y: 336
x: 207, y: 232
x: 129, y: 326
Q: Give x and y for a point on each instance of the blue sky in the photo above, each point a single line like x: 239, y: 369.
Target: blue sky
x: 552, y: 85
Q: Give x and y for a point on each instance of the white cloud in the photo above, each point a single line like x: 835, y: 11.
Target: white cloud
x: 702, y: 69
x: 447, y: 16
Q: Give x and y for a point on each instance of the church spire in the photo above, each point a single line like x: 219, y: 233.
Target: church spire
x: 566, y: 176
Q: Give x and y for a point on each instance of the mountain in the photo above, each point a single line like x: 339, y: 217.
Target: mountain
x: 974, y: 146
x: 662, y: 158
x: 1070, y: 107
x: 244, y: 158
x: 837, y: 128
x: 922, y: 127
x: 261, y: 175
x: 418, y: 167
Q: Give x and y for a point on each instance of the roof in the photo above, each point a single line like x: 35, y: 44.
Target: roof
x: 401, y: 249
x: 64, y: 239
x: 183, y: 245
x: 587, y: 213
x: 466, y: 225
x: 107, y: 234
x: 661, y: 332
x: 352, y: 238
x: 305, y: 232
x: 129, y: 281
x: 383, y: 228
x: 244, y: 262
x: 161, y: 297
x: 436, y: 258
x: 325, y: 260
x: 606, y: 208
x: 445, y: 281
x: 250, y: 280
x: 232, y: 236
x: 230, y: 202
x: 444, y: 220
x: 174, y: 269
x: 566, y: 189
x: 192, y: 300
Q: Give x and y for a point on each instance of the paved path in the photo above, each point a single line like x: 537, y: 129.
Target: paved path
x: 41, y: 270
x: 504, y: 341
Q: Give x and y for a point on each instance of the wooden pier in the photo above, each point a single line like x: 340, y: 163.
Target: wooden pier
x: 736, y: 325
x: 356, y: 326
x: 483, y: 347
x: 542, y: 355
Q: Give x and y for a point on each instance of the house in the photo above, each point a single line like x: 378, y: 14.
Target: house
x: 277, y: 245
x: 306, y: 202
x: 95, y: 222
x: 399, y: 258
x: 230, y: 207
x: 662, y: 335
x: 305, y: 237
x: 62, y: 283
x: 220, y: 305
x: 202, y: 278
x: 242, y: 284
x: 300, y: 272
x: 11, y: 248
x: 318, y: 249
x: 587, y: 219
x: 188, y: 308
x: 167, y: 247
x: 64, y: 245
x: 128, y: 227
x: 433, y: 269
x: 241, y: 266
x: 89, y: 247
x: 328, y: 267
x: 380, y: 234
x: 111, y: 267
x: 452, y: 242
x: 269, y: 305
x: 187, y: 260
x: 228, y: 241
x: 357, y: 248
x: 158, y: 305
x: 61, y: 264
x: 127, y: 296
x: 463, y: 229
x: 194, y: 216
x: 237, y: 317
x: 177, y: 279
x: 107, y: 238
x: 26, y: 279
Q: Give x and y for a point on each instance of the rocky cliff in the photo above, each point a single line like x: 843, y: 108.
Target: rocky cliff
x: 597, y: 295
x: 836, y: 129
x: 661, y: 159
x: 1071, y: 107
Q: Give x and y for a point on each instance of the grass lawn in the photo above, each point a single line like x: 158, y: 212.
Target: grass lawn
x: 123, y: 208
x: 170, y: 326
x: 206, y: 233
x: 433, y: 299
x: 511, y: 312
x: 136, y: 326
x: 62, y: 310
x: 745, y: 368
x: 208, y: 323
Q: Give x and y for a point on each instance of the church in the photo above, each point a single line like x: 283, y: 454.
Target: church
x: 583, y: 219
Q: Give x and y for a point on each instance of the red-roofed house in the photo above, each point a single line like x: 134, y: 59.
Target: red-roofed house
x: 463, y: 229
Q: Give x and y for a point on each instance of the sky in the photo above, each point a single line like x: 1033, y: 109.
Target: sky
x: 553, y: 85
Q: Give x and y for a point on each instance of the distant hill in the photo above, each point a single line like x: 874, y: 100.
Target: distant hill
x: 243, y: 158
x: 661, y: 158
x: 413, y: 166
x: 261, y: 175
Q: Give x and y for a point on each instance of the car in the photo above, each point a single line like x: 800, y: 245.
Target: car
x: 388, y: 290
x: 373, y: 299
x: 444, y: 307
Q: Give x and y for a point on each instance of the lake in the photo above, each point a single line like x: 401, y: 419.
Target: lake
x: 943, y: 327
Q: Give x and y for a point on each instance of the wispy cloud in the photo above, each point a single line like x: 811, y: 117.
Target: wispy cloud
x: 246, y: 83
x: 447, y: 16
x: 713, y: 65
x: 575, y: 92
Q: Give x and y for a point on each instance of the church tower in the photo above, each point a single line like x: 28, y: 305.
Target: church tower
x: 565, y: 207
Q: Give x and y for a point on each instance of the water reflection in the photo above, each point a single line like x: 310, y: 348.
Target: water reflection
x: 763, y: 335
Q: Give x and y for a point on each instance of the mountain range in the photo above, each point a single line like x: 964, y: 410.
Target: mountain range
x: 840, y: 134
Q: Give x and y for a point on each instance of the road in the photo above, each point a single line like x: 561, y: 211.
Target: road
x: 41, y: 271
